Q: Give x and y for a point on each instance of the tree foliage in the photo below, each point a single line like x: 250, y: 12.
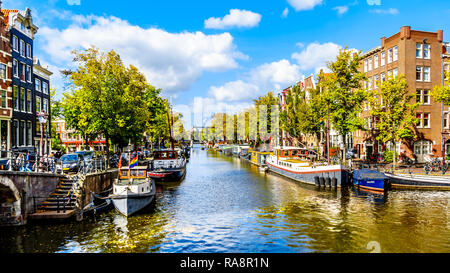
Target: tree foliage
x: 345, y: 95
x: 441, y: 93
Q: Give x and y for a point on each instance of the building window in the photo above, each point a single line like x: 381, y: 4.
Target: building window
x: 446, y: 125
x: 15, y: 43
x: 419, y: 74
x: 15, y: 68
x: 418, y: 50
x: 389, y: 74
x: 365, y: 66
x: 426, y: 51
x: 15, y: 97
x: 29, y: 101
x: 45, y: 105
x: 38, y: 104
x: 370, y: 64
x: 423, y: 120
x: 37, y: 84
x: 395, y: 57
x: 4, y: 99
x: 426, y: 74
x: 29, y: 134
x: 28, y: 73
x: 423, y: 147
x: 21, y: 133
x: 375, y: 62
x: 29, y: 55
x: 383, y: 58
x: 45, y: 87
x: 390, y: 55
x: 22, y: 99
x: 22, y: 48
x: 15, y: 133
x: 376, y: 84
x: 426, y: 97
x: 395, y: 73
x: 2, y: 71
x: 383, y: 77
x: 38, y: 127
x: 22, y: 71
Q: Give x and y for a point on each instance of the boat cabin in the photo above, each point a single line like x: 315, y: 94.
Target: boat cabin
x: 291, y: 152
x: 138, y: 172
x: 165, y: 155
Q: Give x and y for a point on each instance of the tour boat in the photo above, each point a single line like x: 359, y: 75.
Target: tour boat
x: 167, y: 165
x: 294, y: 163
x: 132, y: 190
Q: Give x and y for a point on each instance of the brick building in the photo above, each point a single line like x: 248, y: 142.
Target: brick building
x: 418, y: 55
x: 5, y: 87
x: 72, y: 141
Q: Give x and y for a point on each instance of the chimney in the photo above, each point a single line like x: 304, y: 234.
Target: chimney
x: 440, y: 35
x: 405, y: 32
x: 383, y: 42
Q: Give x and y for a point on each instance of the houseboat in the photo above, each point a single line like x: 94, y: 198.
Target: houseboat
x: 259, y: 158
x: 132, y: 190
x: 167, y: 165
x: 238, y: 149
x: 296, y: 163
x: 370, y: 180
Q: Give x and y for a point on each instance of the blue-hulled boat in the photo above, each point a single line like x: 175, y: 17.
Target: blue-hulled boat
x: 370, y: 180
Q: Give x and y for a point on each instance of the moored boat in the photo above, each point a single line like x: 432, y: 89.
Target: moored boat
x: 370, y: 180
x: 132, y: 190
x: 167, y: 165
x: 294, y: 163
x: 100, y: 203
x: 424, y: 182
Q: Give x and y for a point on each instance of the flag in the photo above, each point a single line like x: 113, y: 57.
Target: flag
x: 134, y: 162
x: 120, y: 162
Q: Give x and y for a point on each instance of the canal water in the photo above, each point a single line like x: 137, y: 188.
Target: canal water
x: 226, y: 205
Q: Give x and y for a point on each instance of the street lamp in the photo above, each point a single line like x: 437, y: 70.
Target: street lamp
x: 42, y: 116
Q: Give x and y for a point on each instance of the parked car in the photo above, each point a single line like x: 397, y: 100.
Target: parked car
x: 70, y: 163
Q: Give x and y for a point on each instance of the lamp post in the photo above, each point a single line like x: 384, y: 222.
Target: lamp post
x: 42, y: 120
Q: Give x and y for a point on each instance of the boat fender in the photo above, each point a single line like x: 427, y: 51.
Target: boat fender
x: 334, y: 182
x: 316, y: 179
x: 322, y: 181
x: 328, y: 182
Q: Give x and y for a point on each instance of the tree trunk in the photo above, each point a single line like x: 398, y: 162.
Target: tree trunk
x: 107, y: 150
x: 344, y: 150
x: 393, y: 159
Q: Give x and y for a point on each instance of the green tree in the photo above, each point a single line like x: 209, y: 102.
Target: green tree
x: 345, y: 95
x: 264, y: 106
x: 441, y: 93
x: 395, y: 114
x: 107, y: 98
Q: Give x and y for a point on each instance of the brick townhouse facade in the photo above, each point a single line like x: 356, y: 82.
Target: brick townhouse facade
x: 418, y: 55
x: 5, y: 87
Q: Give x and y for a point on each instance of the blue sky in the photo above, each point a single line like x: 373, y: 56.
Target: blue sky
x: 219, y: 55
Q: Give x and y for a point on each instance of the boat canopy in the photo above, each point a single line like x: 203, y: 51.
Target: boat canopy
x: 291, y: 152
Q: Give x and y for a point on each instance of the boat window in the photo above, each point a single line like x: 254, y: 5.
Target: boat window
x: 141, y: 173
x: 294, y: 153
x: 133, y: 172
x: 124, y: 173
x: 163, y: 155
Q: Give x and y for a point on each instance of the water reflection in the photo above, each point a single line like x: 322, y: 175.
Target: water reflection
x: 227, y: 205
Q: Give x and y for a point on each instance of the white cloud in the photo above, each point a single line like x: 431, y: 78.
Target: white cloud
x: 171, y: 61
x: 236, y: 18
x: 267, y: 77
x: 274, y: 75
x: 304, y: 4
x: 315, y: 56
x: 285, y: 13
x: 234, y: 91
x: 391, y: 11
x: 341, y: 9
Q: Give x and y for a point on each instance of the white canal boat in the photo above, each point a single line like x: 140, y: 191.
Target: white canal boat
x: 133, y: 190
x: 295, y: 163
